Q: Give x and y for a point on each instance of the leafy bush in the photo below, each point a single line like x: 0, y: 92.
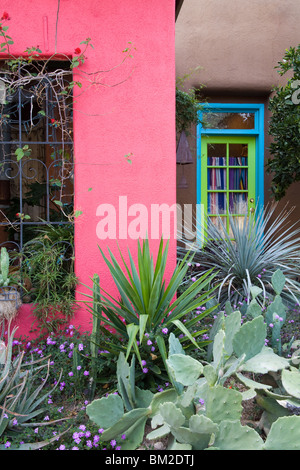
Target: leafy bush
x: 284, y: 164
x: 148, y: 308
x: 187, y: 109
x: 48, y: 264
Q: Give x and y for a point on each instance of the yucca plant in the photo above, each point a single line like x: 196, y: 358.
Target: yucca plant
x: 148, y: 307
x: 254, y: 250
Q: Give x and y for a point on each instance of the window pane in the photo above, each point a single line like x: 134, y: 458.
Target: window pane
x: 216, y: 154
x: 216, y: 179
x: 238, y: 154
x: 238, y: 203
x: 216, y: 203
x: 36, y: 163
x: 238, y: 179
x: 227, y: 120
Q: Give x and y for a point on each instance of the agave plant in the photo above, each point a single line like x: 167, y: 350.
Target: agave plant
x: 250, y: 254
x: 149, y: 306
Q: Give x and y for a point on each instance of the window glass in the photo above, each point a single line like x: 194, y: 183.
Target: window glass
x: 228, y: 120
x: 36, y: 161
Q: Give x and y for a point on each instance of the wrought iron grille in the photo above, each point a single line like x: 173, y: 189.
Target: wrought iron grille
x: 36, y: 160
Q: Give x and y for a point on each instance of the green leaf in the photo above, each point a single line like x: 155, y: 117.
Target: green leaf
x: 278, y: 281
x: 250, y: 338
x: 185, y: 369
x: 159, y: 433
x: 202, y: 424
x: 264, y: 362
x: 134, y: 435
x: 232, y: 326
x: 184, y: 330
x: 223, y: 403
x: 171, y: 414
x: 255, y: 291
x: 169, y: 395
x: 284, y: 434
x: 77, y: 213
x: 106, y: 411
x: 59, y: 203
x: 132, y: 331
x: 142, y: 325
x: 127, y: 420
x: 254, y: 309
x: 252, y: 383
x: 233, y: 436
x: 19, y: 153
x: 291, y: 382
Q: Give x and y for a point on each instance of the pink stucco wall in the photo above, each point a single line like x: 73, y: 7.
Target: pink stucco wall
x: 135, y: 117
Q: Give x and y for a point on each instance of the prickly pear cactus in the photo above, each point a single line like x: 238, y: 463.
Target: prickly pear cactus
x: 250, y: 338
x: 291, y: 382
x: 199, y: 412
x: 127, y: 412
x: 284, y: 434
x: 231, y: 435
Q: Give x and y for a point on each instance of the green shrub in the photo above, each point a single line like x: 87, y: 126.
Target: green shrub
x: 149, y: 308
x: 261, y: 244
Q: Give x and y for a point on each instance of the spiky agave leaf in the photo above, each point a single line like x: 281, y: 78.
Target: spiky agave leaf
x: 257, y: 246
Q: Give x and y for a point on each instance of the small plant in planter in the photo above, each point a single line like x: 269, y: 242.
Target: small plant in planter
x: 10, y: 299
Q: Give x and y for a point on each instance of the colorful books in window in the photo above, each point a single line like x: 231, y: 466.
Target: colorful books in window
x: 233, y: 161
x: 238, y: 161
x: 217, y: 161
x: 238, y: 179
x: 216, y: 203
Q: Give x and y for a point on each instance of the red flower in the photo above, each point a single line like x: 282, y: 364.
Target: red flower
x: 5, y: 16
x: 52, y: 121
x: 77, y: 50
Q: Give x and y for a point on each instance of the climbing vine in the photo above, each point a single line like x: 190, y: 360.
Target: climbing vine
x: 188, y: 104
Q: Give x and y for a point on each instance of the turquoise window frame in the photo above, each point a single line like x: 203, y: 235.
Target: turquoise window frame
x: 258, y: 132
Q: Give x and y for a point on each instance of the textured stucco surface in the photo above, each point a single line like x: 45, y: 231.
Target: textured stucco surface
x: 137, y: 116
x: 236, y: 42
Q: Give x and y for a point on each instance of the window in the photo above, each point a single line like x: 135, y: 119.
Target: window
x: 36, y: 162
x: 230, y: 161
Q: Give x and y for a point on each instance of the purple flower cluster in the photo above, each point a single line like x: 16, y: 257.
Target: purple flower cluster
x: 84, y: 439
